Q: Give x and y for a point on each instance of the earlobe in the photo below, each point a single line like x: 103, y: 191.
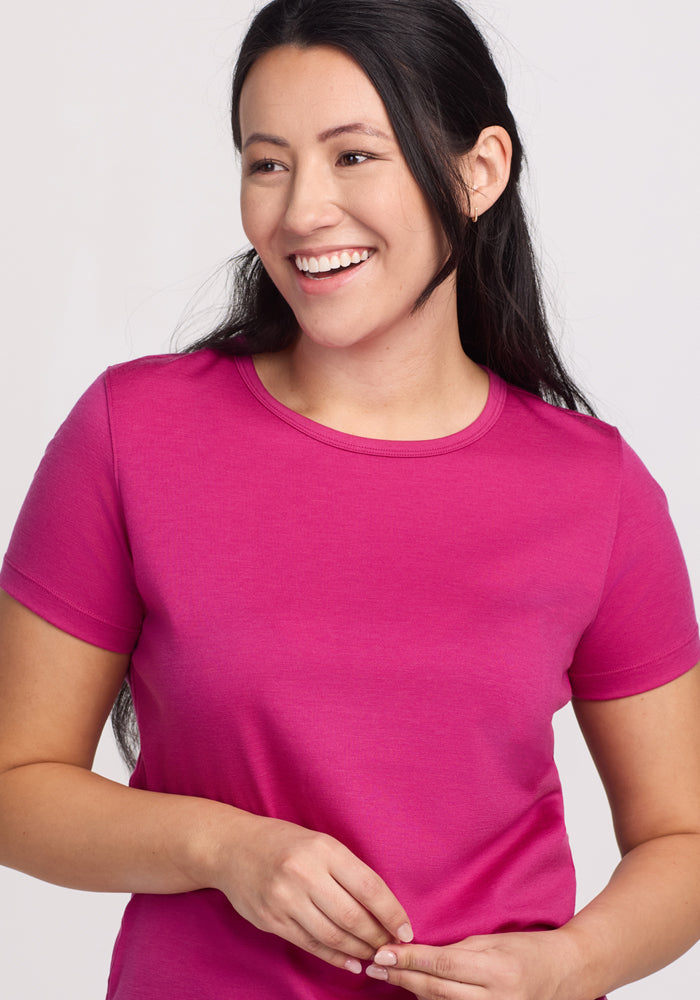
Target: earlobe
x: 486, y: 169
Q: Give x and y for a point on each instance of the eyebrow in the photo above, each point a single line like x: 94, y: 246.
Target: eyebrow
x: 354, y: 128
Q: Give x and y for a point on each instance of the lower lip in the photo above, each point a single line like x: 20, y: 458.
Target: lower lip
x: 334, y: 281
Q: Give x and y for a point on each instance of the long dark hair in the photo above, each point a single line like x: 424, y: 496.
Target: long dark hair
x: 436, y: 76
x: 440, y: 86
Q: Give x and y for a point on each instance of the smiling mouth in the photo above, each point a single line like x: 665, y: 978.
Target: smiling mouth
x: 326, y: 265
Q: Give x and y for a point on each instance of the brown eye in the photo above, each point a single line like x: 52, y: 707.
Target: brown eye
x: 265, y: 167
x: 353, y: 159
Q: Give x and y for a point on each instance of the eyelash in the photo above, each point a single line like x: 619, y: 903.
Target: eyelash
x: 260, y: 166
x: 356, y: 152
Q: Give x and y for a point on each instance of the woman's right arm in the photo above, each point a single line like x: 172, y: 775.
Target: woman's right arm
x: 62, y: 823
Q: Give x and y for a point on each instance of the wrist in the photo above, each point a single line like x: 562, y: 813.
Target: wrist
x: 207, y: 841
x: 574, y: 965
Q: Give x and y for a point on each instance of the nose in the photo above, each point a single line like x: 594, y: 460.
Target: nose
x: 313, y: 201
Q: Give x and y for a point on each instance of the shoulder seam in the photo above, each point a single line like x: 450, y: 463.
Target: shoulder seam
x: 615, y: 521
x: 110, y: 423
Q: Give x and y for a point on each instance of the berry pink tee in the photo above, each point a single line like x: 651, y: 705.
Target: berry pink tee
x: 368, y: 638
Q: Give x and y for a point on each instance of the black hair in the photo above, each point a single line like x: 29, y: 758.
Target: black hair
x: 440, y: 86
x: 437, y: 79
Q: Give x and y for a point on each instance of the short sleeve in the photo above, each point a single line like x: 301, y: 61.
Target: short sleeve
x: 69, y: 559
x: 645, y: 631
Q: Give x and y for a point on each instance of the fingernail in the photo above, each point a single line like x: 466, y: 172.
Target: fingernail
x: 385, y: 958
x: 405, y: 933
x: 374, y: 972
x: 352, y: 965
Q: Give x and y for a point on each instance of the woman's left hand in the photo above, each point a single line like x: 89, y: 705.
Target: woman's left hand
x: 518, y: 966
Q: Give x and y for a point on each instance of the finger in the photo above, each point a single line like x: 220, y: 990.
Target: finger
x: 374, y: 894
x: 427, y: 987
x: 347, y: 913
x: 299, y: 936
x: 320, y: 927
x: 461, y: 965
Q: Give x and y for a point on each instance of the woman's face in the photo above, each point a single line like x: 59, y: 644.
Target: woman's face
x: 329, y: 203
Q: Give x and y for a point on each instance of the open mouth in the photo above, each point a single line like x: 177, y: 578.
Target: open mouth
x: 325, y: 266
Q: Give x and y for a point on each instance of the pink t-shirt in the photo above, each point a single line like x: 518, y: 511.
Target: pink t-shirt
x: 368, y: 638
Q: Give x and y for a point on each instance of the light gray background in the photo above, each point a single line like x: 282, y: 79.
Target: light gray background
x: 119, y: 200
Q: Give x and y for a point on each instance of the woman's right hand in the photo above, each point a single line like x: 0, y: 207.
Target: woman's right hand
x: 309, y: 889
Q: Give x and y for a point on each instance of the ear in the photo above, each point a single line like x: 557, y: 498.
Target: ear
x: 486, y: 169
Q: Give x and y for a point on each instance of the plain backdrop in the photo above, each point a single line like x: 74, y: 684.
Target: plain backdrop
x: 119, y: 192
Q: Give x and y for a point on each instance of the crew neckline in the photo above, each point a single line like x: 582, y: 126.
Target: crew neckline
x: 377, y: 446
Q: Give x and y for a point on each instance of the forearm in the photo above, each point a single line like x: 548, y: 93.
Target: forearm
x: 69, y: 826
x: 648, y: 915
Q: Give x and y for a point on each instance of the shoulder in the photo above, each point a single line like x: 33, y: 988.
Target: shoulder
x: 164, y: 372
x: 561, y: 442
x: 582, y: 456
x: 574, y: 452
x: 541, y: 418
x: 174, y: 386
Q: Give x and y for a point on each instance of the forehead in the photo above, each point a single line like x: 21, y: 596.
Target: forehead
x: 313, y: 88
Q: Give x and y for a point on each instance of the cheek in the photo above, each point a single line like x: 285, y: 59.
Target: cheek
x: 257, y: 218
x: 373, y: 204
x: 428, y: 230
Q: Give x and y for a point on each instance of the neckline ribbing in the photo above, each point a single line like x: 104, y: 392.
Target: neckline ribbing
x: 376, y: 446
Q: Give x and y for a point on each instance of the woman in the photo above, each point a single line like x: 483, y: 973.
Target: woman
x: 352, y: 572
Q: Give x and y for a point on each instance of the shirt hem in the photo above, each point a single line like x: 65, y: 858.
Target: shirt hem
x: 62, y: 613
x: 608, y: 685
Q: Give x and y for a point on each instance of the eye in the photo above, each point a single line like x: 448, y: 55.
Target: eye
x: 265, y: 167
x: 353, y: 159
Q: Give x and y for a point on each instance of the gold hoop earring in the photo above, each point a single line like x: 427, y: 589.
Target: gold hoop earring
x: 475, y: 216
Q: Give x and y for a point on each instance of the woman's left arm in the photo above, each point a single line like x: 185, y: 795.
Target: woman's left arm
x: 647, y: 751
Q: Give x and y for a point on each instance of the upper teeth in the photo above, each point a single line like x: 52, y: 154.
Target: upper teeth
x: 345, y: 258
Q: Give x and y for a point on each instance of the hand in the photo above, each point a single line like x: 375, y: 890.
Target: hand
x: 309, y: 889
x: 519, y: 966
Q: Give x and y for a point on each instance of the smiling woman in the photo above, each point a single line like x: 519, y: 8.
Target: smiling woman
x: 439, y: 141
x: 310, y: 195
x: 346, y: 560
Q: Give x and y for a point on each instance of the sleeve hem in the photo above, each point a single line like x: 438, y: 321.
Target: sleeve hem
x: 57, y: 611
x: 641, y: 677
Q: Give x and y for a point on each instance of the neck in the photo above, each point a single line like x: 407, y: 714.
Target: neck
x: 415, y: 387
